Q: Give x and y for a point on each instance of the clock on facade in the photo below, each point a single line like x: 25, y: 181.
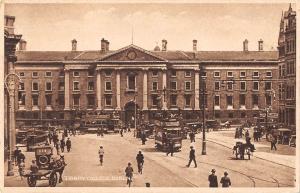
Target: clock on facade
x: 131, y: 55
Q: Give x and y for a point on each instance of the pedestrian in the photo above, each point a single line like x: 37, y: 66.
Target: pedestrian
x: 101, y: 155
x: 236, y: 133
x: 192, y: 136
x: 21, y: 158
x: 225, y: 181
x: 62, y: 168
x: 68, y: 144
x: 65, y: 132
x: 101, y: 132
x: 240, y: 132
x: 50, y: 136
x: 57, y: 145
x: 21, y: 169
x: 192, y: 157
x: 170, y: 148
x: 129, y: 174
x: 273, y: 142
x: 213, y: 179
x: 140, y: 161
x: 143, y: 138
x: 34, y: 168
x: 121, y: 132
x: 16, y: 155
x: 62, y: 144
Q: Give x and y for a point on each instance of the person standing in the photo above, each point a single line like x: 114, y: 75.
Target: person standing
x: 213, y: 179
x: 225, y: 181
x: 140, y: 162
x: 62, y: 144
x: 16, y: 155
x: 170, y: 148
x: 273, y: 142
x: 101, y: 155
x: 192, y: 157
x: 68, y: 144
x: 143, y: 138
x: 121, y: 132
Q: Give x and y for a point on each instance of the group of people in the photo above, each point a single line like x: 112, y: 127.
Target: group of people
x: 60, y: 144
x: 213, y: 180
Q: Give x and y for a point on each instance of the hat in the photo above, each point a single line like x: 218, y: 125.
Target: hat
x: 213, y: 170
x: 191, y: 146
x: 62, y: 155
x: 225, y: 173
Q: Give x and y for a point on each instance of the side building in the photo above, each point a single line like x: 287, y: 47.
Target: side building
x: 58, y: 86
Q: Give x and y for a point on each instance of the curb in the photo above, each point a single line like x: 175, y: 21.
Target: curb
x: 253, y: 155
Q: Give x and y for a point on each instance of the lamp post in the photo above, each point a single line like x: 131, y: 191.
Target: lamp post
x: 11, y: 82
x: 203, y: 111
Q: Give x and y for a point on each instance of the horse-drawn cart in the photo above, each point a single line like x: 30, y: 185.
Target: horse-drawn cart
x: 241, y: 149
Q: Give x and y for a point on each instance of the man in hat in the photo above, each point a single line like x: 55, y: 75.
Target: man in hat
x: 140, y: 161
x: 192, y: 157
x: 225, y: 181
x: 213, y: 179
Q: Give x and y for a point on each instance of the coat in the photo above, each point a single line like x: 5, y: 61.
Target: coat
x: 225, y: 181
x: 213, y: 180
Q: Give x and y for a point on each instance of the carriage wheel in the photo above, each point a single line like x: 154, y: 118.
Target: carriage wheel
x: 31, y: 181
x: 53, y: 179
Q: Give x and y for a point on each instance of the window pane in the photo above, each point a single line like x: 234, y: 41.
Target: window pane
x: 217, y: 100
x: 131, y: 82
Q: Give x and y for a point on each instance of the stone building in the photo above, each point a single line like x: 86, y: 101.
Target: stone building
x: 287, y: 69
x: 60, y: 85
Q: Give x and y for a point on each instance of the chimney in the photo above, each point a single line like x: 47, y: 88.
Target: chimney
x: 194, y: 45
x: 107, y: 45
x: 104, y: 45
x: 245, y: 45
x: 74, y: 45
x: 22, y: 45
x: 260, y: 45
x: 164, y: 45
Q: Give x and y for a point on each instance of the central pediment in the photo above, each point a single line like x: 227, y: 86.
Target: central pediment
x: 131, y: 53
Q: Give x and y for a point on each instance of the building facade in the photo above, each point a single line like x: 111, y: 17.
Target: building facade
x: 287, y: 69
x: 58, y: 86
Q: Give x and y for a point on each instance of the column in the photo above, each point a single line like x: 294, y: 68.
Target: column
x: 145, y: 89
x: 118, y: 83
x: 67, y: 89
x: 197, y: 90
x: 98, y: 89
x: 164, y: 86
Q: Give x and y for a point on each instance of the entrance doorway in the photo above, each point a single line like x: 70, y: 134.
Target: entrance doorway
x: 130, y: 109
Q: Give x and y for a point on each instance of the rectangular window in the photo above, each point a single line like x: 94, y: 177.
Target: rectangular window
x: 269, y: 74
x: 243, y: 74
x: 255, y: 100
x: 35, y: 86
x: 204, y: 74
x: 108, y: 100
x: 35, y: 74
x: 155, y: 73
x: 229, y: 74
x: 155, y: 85
x: 268, y: 85
x: 22, y: 74
x: 255, y: 85
x: 22, y: 86
x: 108, y: 86
x: 91, y: 72
x: 243, y: 86
x: 61, y: 73
x: 217, y: 100
x: 229, y: 100
x: 217, y: 85
x: 61, y: 86
x: 173, y: 100
x: 76, y: 74
x: 173, y: 73
x: 75, y: 86
x: 76, y: 100
x: 173, y: 85
x: 91, y: 85
x: 255, y: 74
x: 35, y: 100
x: 217, y: 74
x: 48, y: 74
x: 22, y: 97
x: 188, y: 74
x: 61, y: 99
x: 188, y: 85
x: 155, y: 100
x: 268, y: 100
x: 48, y: 86
x: 108, y: 73
x: 229, y: 85
x: 187, y: 100
x: 131, y: 82
x: 48, y: 99
x: 91, y: 100
x: 242, y: 99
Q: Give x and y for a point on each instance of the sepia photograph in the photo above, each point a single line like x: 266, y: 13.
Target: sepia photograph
x: 164, y: 95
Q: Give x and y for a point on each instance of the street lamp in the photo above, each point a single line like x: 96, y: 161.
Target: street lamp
x: 203, y: 111
x: 11, y: 83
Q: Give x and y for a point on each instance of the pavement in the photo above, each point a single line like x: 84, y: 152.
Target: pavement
x: 226, y: 139
x: 84, y: 170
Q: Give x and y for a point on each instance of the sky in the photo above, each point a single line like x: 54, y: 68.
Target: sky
x: 216, y: 26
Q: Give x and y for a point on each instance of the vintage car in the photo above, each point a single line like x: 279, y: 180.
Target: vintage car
x: 43, y: 156
x: 168, y: 132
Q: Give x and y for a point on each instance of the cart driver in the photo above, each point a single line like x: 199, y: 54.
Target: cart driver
x: 34, y: 168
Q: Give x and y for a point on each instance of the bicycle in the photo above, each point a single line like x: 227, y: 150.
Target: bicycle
x: 129, y: 180
x: 140, y: 167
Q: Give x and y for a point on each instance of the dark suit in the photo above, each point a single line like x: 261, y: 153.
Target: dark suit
x: 213, y: 180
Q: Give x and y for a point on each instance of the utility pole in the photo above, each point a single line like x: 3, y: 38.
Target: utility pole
x: 203, y: 111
